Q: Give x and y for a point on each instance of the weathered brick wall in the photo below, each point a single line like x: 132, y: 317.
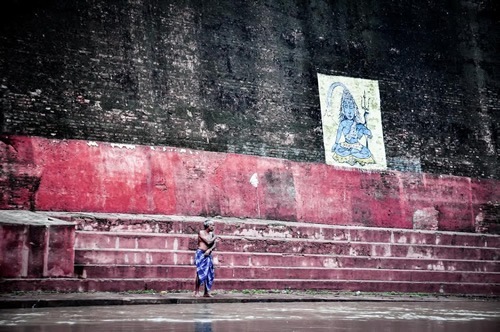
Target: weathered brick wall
x: 240, y: 76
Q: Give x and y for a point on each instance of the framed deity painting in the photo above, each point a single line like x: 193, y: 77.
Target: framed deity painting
x: 352, y: 122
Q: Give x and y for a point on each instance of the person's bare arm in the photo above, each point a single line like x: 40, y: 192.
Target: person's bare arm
x: 209, y: 250
x: 208, y: 238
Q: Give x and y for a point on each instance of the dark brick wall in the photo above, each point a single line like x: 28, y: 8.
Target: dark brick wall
x: 240, y: 76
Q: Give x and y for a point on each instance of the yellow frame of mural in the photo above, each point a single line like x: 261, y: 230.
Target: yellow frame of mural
x: 352, y: 122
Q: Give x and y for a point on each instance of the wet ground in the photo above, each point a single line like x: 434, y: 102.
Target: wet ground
x: 434, y: 316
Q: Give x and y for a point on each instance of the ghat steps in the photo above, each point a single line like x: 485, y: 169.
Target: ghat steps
x: 117, y: 252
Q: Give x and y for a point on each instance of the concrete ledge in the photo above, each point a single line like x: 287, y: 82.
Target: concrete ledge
x: 39, y: 299
x: 67, y: 285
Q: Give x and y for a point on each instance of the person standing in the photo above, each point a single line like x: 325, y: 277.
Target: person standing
x: 205, y: 274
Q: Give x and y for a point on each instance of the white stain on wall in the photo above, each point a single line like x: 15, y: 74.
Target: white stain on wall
x: 123, y: 146
x: 254, y: 180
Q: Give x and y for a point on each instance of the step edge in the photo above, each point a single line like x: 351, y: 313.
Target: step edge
x: 239, y: 221
x: 278, y: 239
x: 221, y: 266
x: 5, y: 280
x: 268, y: 253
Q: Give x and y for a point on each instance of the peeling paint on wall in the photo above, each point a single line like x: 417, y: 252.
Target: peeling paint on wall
x: 426, y: 218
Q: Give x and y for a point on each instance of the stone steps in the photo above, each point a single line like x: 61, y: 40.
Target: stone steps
x: 273, y: 254
x: 256, y: 228
x: 116, y: 252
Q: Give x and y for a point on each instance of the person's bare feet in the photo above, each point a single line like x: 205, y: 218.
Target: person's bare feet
x: 207, y: 295
x: 196, y: 294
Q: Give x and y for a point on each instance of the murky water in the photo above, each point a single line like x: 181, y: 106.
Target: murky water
x: 262, y: 317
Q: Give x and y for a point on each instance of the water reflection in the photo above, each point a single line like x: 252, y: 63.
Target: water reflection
x: 203, y: 326
x: 203, y: 319
x: 261, y: 317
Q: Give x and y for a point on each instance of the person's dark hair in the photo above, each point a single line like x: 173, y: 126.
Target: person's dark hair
x: 207, y: 223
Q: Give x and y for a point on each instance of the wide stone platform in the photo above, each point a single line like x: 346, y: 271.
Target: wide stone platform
x: 122, y: 252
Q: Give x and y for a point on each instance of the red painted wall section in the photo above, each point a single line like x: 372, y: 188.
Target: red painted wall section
x: 14, y: 251
x: 324, y: 193
x: 19, y: 173
x: 452, y: 198
x: 35, y: 248
x: 238, y: 197
x: 104, y: 177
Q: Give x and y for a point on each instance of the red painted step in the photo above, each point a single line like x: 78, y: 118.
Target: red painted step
x: 246, y: 272
x: 178, y: 257
x: 102, y: 240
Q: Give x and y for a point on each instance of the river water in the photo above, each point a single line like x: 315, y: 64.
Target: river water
x: 483, y: 316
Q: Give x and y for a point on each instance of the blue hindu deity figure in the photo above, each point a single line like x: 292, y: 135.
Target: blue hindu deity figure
x: 348, y: 147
